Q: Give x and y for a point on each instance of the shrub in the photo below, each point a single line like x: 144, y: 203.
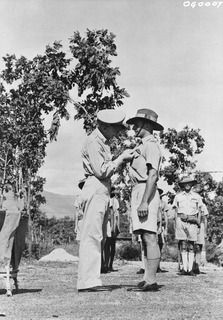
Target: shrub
x: 214, y: 254
x: 129, y: 251
x: 170, y: 253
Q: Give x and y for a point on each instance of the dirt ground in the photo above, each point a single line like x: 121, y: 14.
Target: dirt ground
x: 47, y: 291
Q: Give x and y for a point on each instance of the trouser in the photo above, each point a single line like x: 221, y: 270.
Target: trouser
x: 109, y: 252
x: 9, y: 224
x: 95, y: 197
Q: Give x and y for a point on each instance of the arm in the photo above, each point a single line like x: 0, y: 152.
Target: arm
x: 148, y: 193
x: 175, y: 208
x: 101, y: 163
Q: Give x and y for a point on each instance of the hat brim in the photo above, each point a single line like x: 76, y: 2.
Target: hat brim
x: 193, y: 182
x: 156, y: 125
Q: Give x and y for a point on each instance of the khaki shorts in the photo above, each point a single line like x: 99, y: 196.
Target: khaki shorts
x: 186, y: 230
x: 150, y: 222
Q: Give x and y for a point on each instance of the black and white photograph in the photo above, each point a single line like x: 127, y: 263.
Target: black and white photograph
x: 111, y: 160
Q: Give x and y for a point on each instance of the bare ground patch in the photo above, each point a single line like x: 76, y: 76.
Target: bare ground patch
x: 48, y: 291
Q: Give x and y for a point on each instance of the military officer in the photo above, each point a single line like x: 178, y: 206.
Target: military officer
x: 145, y: 200
x: 99, y: 167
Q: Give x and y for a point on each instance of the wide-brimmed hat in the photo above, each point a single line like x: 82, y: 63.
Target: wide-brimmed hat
x: 112, y: 117
x: 187, y: 179
x: 149, y: 115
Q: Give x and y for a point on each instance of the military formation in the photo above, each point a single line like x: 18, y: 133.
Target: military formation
x: 149, y: 212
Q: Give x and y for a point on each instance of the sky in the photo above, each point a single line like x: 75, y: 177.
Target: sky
x: 170, y: 54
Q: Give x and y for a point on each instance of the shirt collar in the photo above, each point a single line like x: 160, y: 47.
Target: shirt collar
x: 150, y: 138
x: 189, y: 193
x: 100, y: 135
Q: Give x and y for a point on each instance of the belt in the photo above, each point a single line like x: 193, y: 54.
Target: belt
x: 143, y: 181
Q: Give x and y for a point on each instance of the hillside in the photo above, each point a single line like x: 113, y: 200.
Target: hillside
x: 58, y: 205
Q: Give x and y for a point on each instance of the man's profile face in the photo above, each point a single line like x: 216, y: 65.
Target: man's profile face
x: 114, y: 130
x: 138, y: 127
x: 188, y: 186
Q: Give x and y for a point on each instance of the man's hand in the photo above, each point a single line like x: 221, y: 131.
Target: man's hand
x: 190, y: 219
x: 143, y: 210
x: 127, y: 154
x: 184, y: 217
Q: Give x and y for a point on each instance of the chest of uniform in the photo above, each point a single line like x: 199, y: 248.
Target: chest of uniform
x: 188, y: 202
x: 139, y: 160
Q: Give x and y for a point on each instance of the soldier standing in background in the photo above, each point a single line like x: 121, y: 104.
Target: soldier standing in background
x: 113, y: 230
x: 187, y: 205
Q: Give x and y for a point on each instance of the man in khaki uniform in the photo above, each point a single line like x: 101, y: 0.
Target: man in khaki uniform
x: 99, y: 167
x: 202, y: 234
x: 113, y: 230
x: 145, y: 200
x: 187, y: 204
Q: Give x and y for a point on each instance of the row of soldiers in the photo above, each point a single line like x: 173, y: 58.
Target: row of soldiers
x: 145, y: 160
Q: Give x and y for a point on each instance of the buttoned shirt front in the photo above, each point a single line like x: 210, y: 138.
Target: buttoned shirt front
x: 148, y: 152
x: 97, y: 157
x: 188, y: 203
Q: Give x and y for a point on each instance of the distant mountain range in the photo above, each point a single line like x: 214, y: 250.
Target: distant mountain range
x: 58, y: 205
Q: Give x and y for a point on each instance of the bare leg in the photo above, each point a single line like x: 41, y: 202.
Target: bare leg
x: 112, y: 252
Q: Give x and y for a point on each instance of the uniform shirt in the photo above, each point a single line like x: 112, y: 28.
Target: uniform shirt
x: 188, y: 203
x: 148, y: 152
x: 97, y: 157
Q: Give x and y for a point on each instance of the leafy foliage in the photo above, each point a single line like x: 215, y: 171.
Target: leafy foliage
x: 35, y: 88
x: 215, y: 219
x: 94, y: 76
x: 182, y: 147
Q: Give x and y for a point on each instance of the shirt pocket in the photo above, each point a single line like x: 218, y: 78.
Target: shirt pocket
x: 194, y: 204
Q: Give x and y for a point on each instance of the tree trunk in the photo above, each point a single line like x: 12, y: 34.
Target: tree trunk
x: 29, y: 237
x: 3, y: 181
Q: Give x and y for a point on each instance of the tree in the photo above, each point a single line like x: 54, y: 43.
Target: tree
x: 94, y: 76
x: 215, y: 219
x: 182, y: 147
x: 37, y: 88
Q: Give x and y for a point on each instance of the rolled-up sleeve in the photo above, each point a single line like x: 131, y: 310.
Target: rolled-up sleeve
x: 152, y: 155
